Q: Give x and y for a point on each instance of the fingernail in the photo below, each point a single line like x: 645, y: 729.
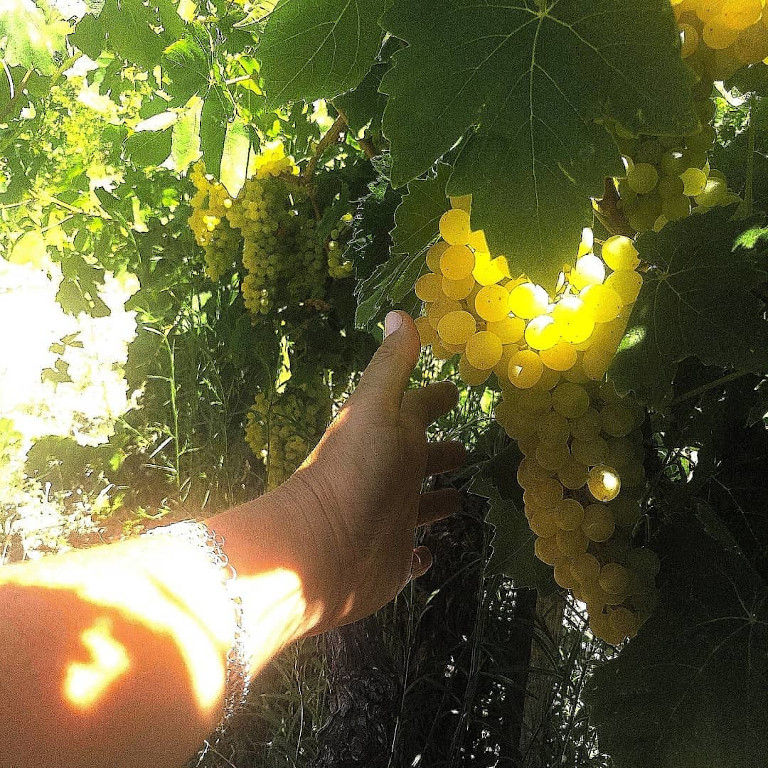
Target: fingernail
x: 392, y: 322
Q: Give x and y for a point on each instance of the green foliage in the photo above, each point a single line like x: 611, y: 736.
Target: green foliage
x: 31, y: 36
x: 697, y: 299
x: 512, y: 544
x: 692, y: 688
x: 313, y: 50
x: 536, y: 83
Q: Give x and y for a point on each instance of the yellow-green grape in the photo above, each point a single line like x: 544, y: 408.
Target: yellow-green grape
x: 604, y: 483
x: 542, y: 333
x: 626, y: 283
x: 501, y: 369
x: 690, y: 40
x: 714, y: 193
x: 454, y: 226
x: 588, y: 425
x: 457, y: 289
x: 669, y: 186
x: 477, y: 241
x: 589, y: 270
x: 542, y: 523
x: 545, y: 491
x: 492, y: 303
x: 572, y: 474
x: 615, y: 579
x: 549, y: 378
x: 428, y: 287
x: 586, y: 568
x: 528, y: 300
x: 694, y: 181
x: 561, y: 357
x: 676, y: 208
x: 602, y: 302
x: 434, y: 254
x: 488, y: 271
x: 570, y: 400
x: 427, y: 333
x: 552, y: 455
x: 456, y: 327
x: 623, y: 621
x: 546, y: 549
x: 617, y: 421
x: 598, y: 523
x: 555, y: 428
x: 563, y: 574
x: 531, y: 475
x: 470, y: 375
x: 619, y: 252
x: 457, y: 262
x: 568, y: 514
x: 535, y: 400
x: 525, y: 369
x: 574, y: 320
x: 642, y: 178
x: 509, y: 329
x: 437, y: 310
x: 590, y: 452
x: 483, y: 350
x: 572, y: 542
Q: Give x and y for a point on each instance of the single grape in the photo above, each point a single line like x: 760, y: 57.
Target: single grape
x: 598, y: 523
x: 483, y: 350
x: 542, y: 333
x: 642, y: 177
x: 457, y: 262
x: 492, y: 303
x: 457, y: 289
x: 509, y: 329
x: 528, y: 300
x: 456, y: 327
x: 525, y: 369
x: 428, y: 287
x: 454, y: 226
x: 619, y: 252
x: 570, y: 400
x: 604, y: 483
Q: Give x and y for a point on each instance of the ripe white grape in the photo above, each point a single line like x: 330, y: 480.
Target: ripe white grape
x: 603, y: 483
x: 457, y: 262
x: 492, y: 303
x: 619, y: 252
x: 456, y: 327
x: 428, y: 287
x: 483, y: 350
x: 454, y: 226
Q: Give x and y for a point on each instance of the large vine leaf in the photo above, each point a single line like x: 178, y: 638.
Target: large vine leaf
x: 416, y: 226
x: 697, y: 300
x: 311, y: 50
x: 535, y: 78
x: 31, y: 35
x: 692, y: 688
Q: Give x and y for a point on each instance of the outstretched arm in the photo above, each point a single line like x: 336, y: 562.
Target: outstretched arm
x: 116, y: 655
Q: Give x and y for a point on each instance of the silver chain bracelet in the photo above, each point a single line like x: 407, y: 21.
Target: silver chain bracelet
x: 199, y: 534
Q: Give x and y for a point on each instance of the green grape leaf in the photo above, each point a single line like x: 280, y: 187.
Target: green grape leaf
x: 185, y: 141
x: 188, y: 68
x: 389, y: 285
x: 417, y: 218
x: 697, y: 300
x: 90, y: 36
x: 312, y: 50
x: 512, y: 544
x: 364, y: 105
x: 148, y: 148
x: 213, y: 130
x: 31, y: 35
x: 692, y: 688
x: 534, y: 80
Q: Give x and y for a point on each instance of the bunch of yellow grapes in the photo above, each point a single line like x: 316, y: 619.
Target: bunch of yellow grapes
x: 211, y: 204
x: 284, y: 426
x: 721, y: 36
x: 669, y: 177
x: 582, y: 472
x: 270, y: 223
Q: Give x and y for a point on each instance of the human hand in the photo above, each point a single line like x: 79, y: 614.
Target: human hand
x: 366, y: 475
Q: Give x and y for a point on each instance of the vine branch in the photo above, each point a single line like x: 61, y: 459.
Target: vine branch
x: 706, y: 387
x: 331, y: 137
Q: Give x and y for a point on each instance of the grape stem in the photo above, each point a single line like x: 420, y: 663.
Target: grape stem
x: 608, y: 213
x: 706, y: 387
x: 331, y: 137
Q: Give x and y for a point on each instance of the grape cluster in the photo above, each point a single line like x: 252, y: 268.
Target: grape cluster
x: 668, y: 178
x: 582, y: 470
x: 271, y: 223
x: 283, y: 255
x: 720, y: 37
x: 211, y: 204
x: 283, y: 426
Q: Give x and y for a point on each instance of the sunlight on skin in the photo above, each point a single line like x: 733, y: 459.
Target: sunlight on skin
x: 85, y: 683
x: 170, y: 587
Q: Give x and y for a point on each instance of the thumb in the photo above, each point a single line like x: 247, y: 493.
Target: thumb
x: 389, y: 371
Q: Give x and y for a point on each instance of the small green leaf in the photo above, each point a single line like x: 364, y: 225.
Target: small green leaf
x: 697, y: 300
x: 417, y: 218
x: 185, y: 136
x: 311, y: 50
x: 234, y: 161
x: 89, y: 36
